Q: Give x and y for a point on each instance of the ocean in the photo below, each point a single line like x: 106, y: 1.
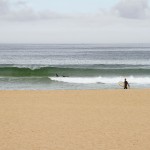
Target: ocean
x: 78, y: 66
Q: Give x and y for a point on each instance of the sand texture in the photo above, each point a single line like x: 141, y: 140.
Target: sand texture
x: 75, y: 120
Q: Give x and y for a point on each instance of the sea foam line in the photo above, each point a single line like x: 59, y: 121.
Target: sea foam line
x: 105, y: 80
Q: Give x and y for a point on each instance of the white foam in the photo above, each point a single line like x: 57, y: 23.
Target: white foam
x: 32, y: 67
x: 106, y: 80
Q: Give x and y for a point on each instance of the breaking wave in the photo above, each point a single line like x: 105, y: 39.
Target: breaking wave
x: 101, y: 80
x: 74, y: 71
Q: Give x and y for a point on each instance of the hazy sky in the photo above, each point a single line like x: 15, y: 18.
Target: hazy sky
x: 74, y: 21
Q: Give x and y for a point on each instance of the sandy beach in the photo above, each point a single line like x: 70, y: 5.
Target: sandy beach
x: 75, y: 120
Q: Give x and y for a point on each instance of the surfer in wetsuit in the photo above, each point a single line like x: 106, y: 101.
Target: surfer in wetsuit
x: 126, y: 84
x: 62, y: 76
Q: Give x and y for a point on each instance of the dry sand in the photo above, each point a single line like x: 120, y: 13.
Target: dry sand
x: 75, y: 120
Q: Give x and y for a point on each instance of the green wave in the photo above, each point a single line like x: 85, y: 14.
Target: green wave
x: 62, y: 71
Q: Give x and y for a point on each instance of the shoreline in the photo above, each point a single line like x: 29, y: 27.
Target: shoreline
x: 69, y: 90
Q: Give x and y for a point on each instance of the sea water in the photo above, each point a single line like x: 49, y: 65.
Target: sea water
x: 78, y: 66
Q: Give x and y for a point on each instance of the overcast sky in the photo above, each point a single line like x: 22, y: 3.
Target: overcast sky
x: 74, y: 21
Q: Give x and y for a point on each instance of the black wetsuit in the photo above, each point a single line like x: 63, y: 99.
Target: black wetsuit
x: 125, y: 84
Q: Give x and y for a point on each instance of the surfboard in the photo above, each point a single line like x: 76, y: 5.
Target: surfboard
x: 121, y: 84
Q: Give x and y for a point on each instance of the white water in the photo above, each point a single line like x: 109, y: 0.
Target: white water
x: 105, y: 80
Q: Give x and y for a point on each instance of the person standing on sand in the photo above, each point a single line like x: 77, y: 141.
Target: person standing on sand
x: 126, y: 84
